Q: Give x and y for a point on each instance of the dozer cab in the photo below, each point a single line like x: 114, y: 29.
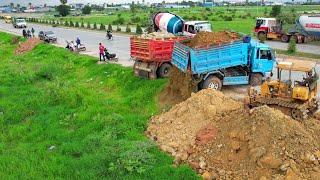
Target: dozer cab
x: 299, y: 96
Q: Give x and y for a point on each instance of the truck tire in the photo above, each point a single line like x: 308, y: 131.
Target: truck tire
x: 164, y: 70
x: 285, y: 38
x: 255, y: 79
x: 212, y: 82
x: 262, y: 36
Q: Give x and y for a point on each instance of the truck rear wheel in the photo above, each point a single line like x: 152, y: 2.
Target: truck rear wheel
x: 164, y: 70
x: 285, y: 38
x: 212, y: 82
x: 255, y: 79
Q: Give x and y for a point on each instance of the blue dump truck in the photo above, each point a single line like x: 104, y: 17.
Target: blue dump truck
x: 239, y: 62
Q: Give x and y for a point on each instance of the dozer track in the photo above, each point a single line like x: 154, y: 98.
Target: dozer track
x: 298, y: 111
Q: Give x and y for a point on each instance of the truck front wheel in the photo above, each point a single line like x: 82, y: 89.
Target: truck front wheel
x: 212, y: 82
x: 164, y: 70
x: 255, y: 79
x: 262, y: 36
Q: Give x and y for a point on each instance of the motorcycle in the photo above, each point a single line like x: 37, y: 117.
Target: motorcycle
x: 109, y: 35
x: 74, y: 48
x: 110, y: 57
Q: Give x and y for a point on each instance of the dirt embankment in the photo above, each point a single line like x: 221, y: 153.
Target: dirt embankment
x: 220, y: 138
x: 27, y: 45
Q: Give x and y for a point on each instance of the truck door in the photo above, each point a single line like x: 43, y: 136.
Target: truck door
x: 262, y: 61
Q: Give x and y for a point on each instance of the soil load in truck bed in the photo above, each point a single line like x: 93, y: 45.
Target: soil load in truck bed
x: 221, y: 139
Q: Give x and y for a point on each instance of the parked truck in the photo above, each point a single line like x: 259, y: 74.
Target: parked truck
x: 306, y: 27
x: 235, y: 63
x: 152, y: 56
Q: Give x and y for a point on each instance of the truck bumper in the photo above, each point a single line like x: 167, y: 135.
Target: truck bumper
x: 145, y: 70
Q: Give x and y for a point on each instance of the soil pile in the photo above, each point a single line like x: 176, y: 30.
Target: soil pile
x: 221, y: 139
x: 203, y: 39
x: 179, y: 88
x: 27, y: 45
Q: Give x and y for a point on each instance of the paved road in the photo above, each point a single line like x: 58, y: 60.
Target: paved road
x: 306, y: 48
x: 120, y: 45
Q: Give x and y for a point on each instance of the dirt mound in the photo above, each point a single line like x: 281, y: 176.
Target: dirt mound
x: 219, y: 138
x: 212, y: 38
x: 27, y: 45
x: 179, y: 88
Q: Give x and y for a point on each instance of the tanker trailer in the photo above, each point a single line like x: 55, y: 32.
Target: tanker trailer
x: 168, y: 22
x: 307, y: 27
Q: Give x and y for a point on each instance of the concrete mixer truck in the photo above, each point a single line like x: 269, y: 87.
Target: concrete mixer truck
x: 165, y: 21
x: 306, y: 28
x: 152, y: 53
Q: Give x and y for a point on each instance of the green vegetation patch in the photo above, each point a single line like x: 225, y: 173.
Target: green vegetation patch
x: 64, y: 116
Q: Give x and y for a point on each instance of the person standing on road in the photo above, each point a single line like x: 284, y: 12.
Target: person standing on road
x: 29, y: 33
x: 32, y: 31
x: 101, y: 52
x: 24, y: 33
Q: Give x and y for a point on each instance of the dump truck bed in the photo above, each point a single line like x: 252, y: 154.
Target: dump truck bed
x: 209, y: 59
x: 152, y: 50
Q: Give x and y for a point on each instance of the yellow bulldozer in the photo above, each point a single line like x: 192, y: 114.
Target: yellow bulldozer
x: 300, y: 97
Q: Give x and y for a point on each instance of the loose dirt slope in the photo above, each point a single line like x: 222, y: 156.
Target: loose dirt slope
x: 221, y: 139
x: 27, y: 45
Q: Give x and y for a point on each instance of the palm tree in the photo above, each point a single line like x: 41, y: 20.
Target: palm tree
x: 63, y: 2
x: 30, y: 4
x: 12, y: 5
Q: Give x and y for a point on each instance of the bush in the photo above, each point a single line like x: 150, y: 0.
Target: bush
x: 66, y: 23
x: 139, y: 29
x: 71, y: 24
x: 109, y: 27
x: 102, y: 27
x: 227, y: 18
x: 95, y: 26
x: 82, y: 24
x: 275, y: 11
x: 119, y: 20
x: 86, y: 9
x: 118, y: 29
x: 77, y: 24
x: 88, y: 25
x: 208, y: 9
x: 128, y: 29
x: 135, y: 19
x: 292, y: 49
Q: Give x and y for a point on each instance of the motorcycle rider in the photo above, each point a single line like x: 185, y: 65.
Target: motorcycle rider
x: 78, y: 41
x: 24, y: 33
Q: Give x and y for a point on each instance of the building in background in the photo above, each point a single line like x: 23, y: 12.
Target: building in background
x: 208, y: 3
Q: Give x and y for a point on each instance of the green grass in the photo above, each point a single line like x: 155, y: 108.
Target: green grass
x: 243, y: 17
x: 299, y: 54
x: 94, y: 115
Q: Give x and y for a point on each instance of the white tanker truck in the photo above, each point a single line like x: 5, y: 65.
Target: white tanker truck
x: 165, y: 21
x: 306, y: 27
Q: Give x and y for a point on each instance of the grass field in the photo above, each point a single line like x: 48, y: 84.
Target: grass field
x: 242, y: 17
x: 62, y: 116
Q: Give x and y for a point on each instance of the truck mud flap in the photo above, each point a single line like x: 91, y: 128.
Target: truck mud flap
x: 145, y: 70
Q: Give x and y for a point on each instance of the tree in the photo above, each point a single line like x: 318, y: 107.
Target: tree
x: 139, y: 29
x: 109, y: 27
x: 95, y: 26
x: 86, y: 9
x: 128, y: 29
x: 276, y: 11
x: 71, y: 24
x: 12, y: 5
x: 82, y: 24
x: 118, y: 29
x: 63, y: 9
x: 292, y: 49
x: 77, y: 24
x: 88, y: 25
x: 102, y: 27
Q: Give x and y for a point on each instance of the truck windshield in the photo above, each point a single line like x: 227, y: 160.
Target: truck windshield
x: 20, y: 20
x: 260, y: 22
x: 204, y: 27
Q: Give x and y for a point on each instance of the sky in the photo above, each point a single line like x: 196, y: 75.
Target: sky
x: 55, y: 2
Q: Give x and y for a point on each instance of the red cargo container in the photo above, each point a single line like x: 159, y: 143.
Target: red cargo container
x: 152, y: 56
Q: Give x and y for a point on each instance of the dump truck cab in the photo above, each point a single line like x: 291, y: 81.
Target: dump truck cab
x: 270, y: 28
x: 191, y: 28
x: 299, y: 95
x: 261, y: 59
